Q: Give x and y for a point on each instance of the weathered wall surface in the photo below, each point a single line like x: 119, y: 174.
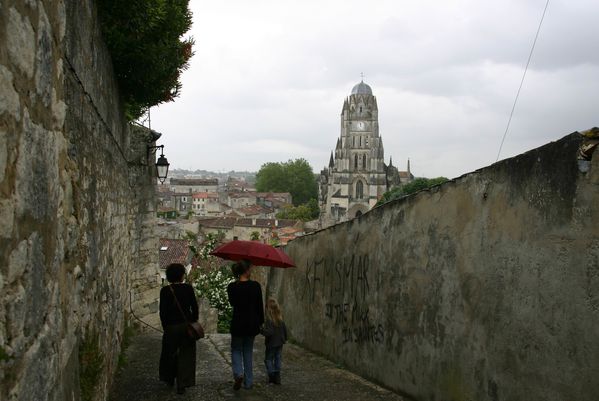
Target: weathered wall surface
x: 484, y: 288
x: 75, y: 204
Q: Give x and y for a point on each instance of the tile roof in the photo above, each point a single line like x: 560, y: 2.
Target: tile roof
x: 173, y: 251
x: 254, y: 210
x: 205, y: 195
x: 194, y: 181
x: 244, y: 194
x: 230, y: 222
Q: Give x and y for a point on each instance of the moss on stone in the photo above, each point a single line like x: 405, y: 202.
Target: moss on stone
x: 91, y: 362
x: 3, y: 354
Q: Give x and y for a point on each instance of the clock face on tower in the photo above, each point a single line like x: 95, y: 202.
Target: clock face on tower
x: 361, y: 126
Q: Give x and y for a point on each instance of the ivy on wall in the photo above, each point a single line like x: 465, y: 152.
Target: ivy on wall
x: 148, y: 54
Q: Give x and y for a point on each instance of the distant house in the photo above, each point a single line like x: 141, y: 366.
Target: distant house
x: 173, y: 251
x: 182, y: 202
x: 205, y: 204
x: 164, y: 198
x: 271, y: 198
x: 235, y: 185
x: 193, y: 185
x: 286, y: 234
x: 166, y: 212
x: 237, y: 200
x: 257, y: 211
x: 243, y: 227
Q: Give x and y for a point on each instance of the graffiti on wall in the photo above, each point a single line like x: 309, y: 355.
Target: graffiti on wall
x: 343, y: 287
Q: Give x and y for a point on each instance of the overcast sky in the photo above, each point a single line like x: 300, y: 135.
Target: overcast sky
x: 268, y: 80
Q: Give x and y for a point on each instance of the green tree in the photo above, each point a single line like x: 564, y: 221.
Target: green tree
x: 295, y: 176
x: 148, y: 55
x: 415, y: 185
x: 306, y: 212
x: 254, y: 236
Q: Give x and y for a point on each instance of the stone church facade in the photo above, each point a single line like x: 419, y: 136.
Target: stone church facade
x: 357, y: 175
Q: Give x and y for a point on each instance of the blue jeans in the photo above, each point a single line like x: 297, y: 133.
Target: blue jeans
x: 241, y: 358
x: 272, y: 359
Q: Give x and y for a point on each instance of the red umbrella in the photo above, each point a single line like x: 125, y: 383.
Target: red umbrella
x: 256, y: 252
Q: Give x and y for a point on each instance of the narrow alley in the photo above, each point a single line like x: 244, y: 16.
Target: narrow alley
x: 305, y: 376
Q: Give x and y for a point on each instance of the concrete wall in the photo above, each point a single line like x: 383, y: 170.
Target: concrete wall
x: 484, y: 288
x: 75, y: 203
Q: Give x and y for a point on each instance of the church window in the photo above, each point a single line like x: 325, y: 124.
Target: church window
x: 355, y: 162
x: 359, y: 190
x: 364, y: 161
x: 354, y: 141
x: 360, y: 109
x: 360, y: 141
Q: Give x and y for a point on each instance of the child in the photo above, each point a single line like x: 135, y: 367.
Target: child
x: 275, y: 334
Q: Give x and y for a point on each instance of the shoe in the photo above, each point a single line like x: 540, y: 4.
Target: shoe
x: 271, y: 378
x: 237, y: 384
x: 277, y: 376
x: 180, y: 390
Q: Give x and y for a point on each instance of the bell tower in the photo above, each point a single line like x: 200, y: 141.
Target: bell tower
x: 356, y: 176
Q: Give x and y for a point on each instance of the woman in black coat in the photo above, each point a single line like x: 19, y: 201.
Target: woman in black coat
x: 178, y: 356
x: 245, y: 296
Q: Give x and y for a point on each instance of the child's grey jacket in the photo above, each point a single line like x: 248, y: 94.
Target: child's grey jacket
x: 275, y: 336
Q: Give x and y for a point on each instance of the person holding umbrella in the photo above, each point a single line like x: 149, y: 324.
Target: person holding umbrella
x: 245, y: 296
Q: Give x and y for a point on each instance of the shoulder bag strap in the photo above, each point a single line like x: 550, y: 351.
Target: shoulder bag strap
x: 178, y: 304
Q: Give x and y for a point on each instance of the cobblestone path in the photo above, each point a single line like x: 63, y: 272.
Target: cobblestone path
x: 305, y: 376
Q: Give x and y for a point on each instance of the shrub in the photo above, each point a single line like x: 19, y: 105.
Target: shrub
x: 212, y: 285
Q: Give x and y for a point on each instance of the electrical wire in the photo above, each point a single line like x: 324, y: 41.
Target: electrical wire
x: 522, y: 81
x: 137, y: 318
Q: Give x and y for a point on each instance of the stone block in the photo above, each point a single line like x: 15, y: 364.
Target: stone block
x: 44, y: 71
x: 3, y: 151
x: 21, y: 41
x: 37, y: 171
x: 9, y: 98
x: 17, y: 262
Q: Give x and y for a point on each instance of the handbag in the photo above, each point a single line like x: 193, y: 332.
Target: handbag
x: 195, y: 331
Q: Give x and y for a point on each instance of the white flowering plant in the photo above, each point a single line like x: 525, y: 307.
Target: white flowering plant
x: 212, y: 285
x: 210, y: 280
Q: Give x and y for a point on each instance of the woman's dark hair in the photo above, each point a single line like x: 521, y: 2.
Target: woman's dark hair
x: 240, y: 267
x: 175, y: 272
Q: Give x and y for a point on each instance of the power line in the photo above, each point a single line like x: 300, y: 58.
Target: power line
x: 522, y: 81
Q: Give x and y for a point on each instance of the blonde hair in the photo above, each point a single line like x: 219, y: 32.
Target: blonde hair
x: 273, y: 311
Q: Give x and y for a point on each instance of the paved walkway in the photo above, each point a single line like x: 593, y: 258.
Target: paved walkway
x: 305, y: 376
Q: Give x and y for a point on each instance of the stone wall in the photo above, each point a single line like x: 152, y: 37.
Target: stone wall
x: 483, y: 288
x: 75, y: 204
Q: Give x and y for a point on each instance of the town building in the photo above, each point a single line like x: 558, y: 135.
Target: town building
x: 206, y: 204
x: 193, y: 185
x: 357, y: 175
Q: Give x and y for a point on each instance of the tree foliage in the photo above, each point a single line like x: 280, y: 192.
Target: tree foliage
x: 306, y: 212
x: 294, y: 176
x: 148, y: 55
x: 415, y: 185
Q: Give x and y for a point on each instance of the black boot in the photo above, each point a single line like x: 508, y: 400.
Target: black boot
x: 271, y: 378
x: 277, y: 377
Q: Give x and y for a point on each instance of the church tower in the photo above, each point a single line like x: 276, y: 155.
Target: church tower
x: 357, y: 175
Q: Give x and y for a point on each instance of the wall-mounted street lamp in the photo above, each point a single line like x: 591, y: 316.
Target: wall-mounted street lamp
x: 161, y: 164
